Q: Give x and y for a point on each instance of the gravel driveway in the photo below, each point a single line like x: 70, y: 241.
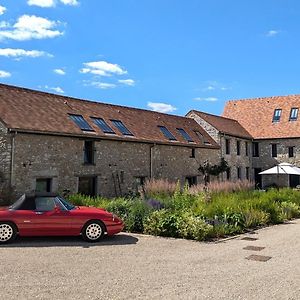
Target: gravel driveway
x: 130, y: 266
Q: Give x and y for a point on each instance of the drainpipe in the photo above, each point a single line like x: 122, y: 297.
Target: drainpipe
x: 12, y: 159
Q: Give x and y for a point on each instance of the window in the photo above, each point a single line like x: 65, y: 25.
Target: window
x: 246, y: 149
x: 44, y: 203
x: 277, y: 114
x: 227, y: 146
x: 81, y: 122
x: 167, y: 133
x: 88, y: 152
x: 103, y: 125
x: 294, y: 114
x: 123, y: 129
x: 228, y: 175
x: 247, y: 173
x: 43, y: 185
x: 238, y: 171
x: 238, y: 148
x: 87, y: 185
x: 191, y: 180
x: 274, y: 150
x: 255, y: 149
x: 185, y: 135
x: 291, y: 151
x: 202, y: 138
x: 193, y: 154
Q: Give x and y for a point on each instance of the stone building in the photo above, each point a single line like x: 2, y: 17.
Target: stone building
x: 274, y: 125
x: 234, y: 140
x: 53, y: 143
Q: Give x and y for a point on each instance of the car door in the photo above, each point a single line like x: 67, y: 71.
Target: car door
x: 49, y: 219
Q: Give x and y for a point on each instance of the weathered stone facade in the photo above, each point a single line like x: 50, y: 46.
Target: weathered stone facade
x: 265, y: 160
x: 117, y: 164
x: 5, y: 153
x: 234, y: 160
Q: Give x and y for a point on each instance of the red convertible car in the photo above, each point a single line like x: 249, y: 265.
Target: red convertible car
x: 51, y: 215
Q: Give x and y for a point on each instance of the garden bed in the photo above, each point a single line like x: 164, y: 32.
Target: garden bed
x: 200, y: 215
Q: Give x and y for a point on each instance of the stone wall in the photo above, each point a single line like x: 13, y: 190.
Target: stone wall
x: 61, y: 158
x: 211, y: 130
x: 266, y: 161
x: 5, y: 153
x: 234, y: 161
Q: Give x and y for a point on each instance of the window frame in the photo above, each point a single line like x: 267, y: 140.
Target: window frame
x: 121, y: 127
x: 227, y: 146
x: 185, y: 135
x: 90, y: 153
x: 49, y: 183
x: 274, y: 150
x: 294, y: 116
x: 239, y: 173
x: 246, y: 148
x: 79, y: 120
x: 291, y: 154
x: 167, y: 133
x: 255, y: 149
x: 277, y: 115
x: 238, y: 147
x: 102, y: 125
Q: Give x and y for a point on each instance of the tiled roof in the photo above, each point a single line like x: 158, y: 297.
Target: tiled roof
x: 224, y: 125
x: 256, y: 115
x: 33, y: 111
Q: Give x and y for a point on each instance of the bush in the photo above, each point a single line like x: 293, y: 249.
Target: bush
x: 254, y: 218
x: 163, y: 222
x: 290, y: 210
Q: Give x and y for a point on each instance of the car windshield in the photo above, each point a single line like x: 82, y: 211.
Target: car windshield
x: 66, y: 204
x: 18, y: 203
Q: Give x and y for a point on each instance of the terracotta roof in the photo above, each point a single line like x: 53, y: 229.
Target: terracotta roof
x: 256, y: 115
x: 34, y: 111
x: 224, y: 125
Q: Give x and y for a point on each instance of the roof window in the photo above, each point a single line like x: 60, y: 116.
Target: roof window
x: 294, y: 114
x: 102, y: 125
x: 123, y: 129
x: 81, y: 122
x: 167, y: 133
x: 185, y: 135
x: 277, y: 115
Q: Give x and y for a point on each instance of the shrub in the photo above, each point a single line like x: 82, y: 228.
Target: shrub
x: 163, y: 222
x: 290, y: 210
x: 193, y: 227
x: 254, y: 218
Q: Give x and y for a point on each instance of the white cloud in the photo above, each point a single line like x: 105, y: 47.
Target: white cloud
x: 272, y: 33
x: 161, y: 107
x: 3, y: 24
x: 103, y: 85
x: 2, y: 10
x: 214, y: 85
x: 129, y: 82
x: 42, y: 3
x: 19, y: 53
x: 208, y: 99
x: 102, y: 68
x: 30, y: 27
x: 55, y: 89
x: 59, y: 71
x: 4, y: 74
x: 70, y: 2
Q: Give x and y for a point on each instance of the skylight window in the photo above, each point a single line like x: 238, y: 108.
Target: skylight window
x: 81, y: 122
x: 123, y: 129
x: 103, y: 125
x: 202, y: 138
x: 167, y: 133
x: 185, y: 135
x: 277, y: 115
x: 294, y: 114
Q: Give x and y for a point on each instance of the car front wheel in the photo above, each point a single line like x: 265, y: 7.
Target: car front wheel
x: 8, y: 232
x: 93, y: 231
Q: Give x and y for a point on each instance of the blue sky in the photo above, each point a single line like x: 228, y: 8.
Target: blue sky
x: 167, y: 55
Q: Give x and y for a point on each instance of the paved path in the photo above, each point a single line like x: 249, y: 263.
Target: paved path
x: 143, y: 267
